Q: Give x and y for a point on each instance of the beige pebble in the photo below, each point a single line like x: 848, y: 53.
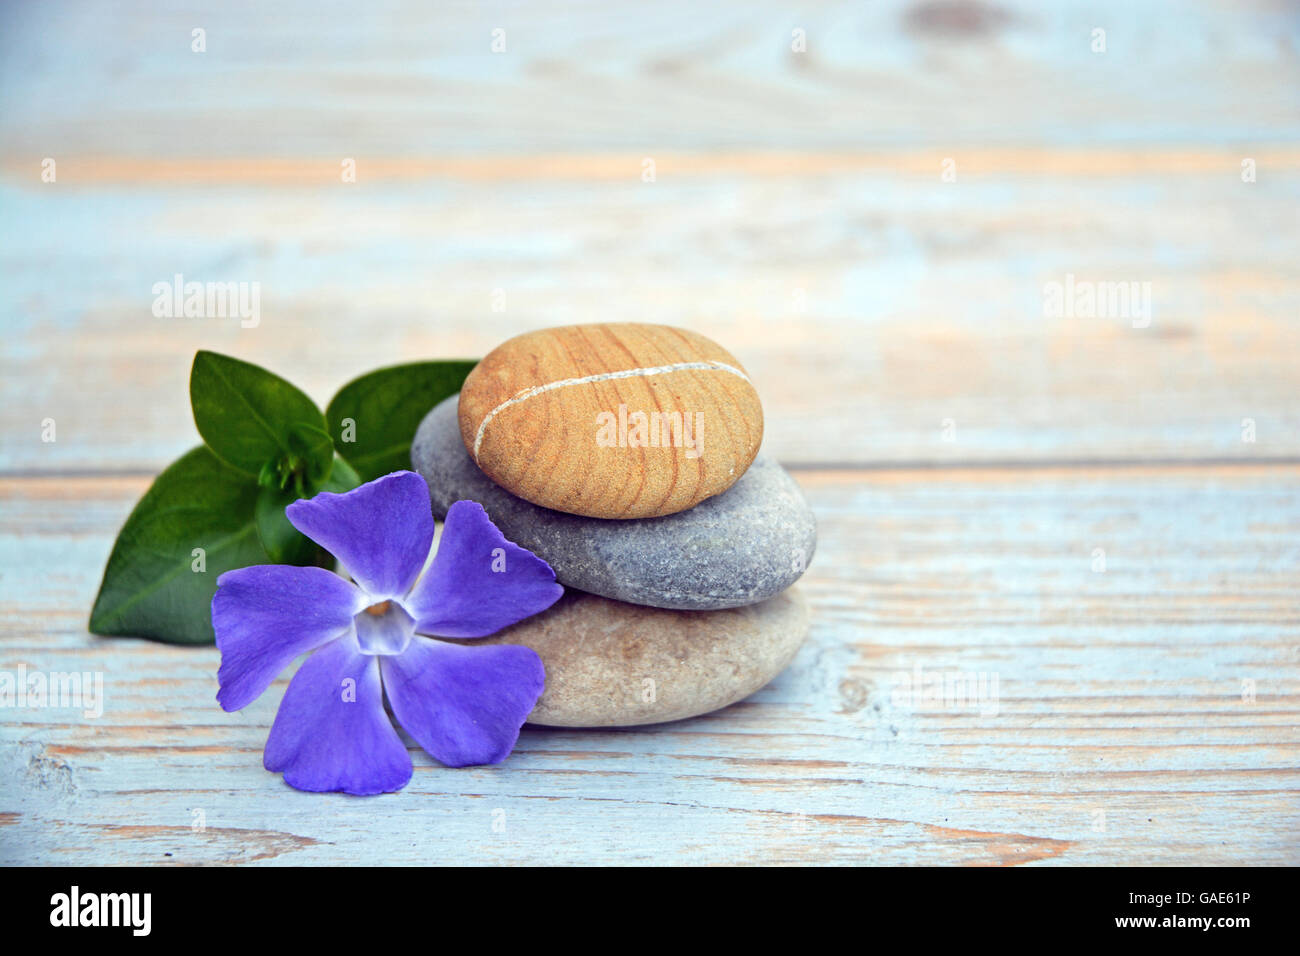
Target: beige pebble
x: 610, y: 664
x: 615, y: 420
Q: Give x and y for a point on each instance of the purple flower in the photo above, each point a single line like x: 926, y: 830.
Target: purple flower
x: 462, y: 704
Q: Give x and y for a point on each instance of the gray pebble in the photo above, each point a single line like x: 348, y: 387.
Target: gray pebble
x: 742, y: 546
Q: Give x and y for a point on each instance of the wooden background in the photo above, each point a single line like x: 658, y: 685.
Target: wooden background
x: 1147, y: 713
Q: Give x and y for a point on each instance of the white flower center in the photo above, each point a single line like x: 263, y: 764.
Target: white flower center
x: 384, y: 629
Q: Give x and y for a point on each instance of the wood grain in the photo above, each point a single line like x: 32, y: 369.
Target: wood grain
x: 675, y: 76
x: 611, y: 420
x: 799, y: 213
x: 1149, y: 712
x: 905, y: 324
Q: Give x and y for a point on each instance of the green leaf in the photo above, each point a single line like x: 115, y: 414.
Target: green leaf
x: 373, y: 418
x: 316, y: 448
x: 284, y: 543
x: 259, y: 423
x: 193, y: 524
x: 342, y: 478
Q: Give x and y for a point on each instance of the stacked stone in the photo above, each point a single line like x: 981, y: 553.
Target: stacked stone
x: 627, y: 457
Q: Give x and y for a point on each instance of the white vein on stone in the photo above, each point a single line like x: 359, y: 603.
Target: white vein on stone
x: 707, y: 366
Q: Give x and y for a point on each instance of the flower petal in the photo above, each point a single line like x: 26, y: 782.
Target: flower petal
x: 479, y: 582
x: 332, y: 732
x: 265, y: 616
x: 464, y: 705
x: 381, y: 531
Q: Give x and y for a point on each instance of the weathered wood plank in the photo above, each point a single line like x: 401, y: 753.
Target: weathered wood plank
x: 411, y: 79
x: 798, y: 213
x: 884, y: 318
x: 1122, y: 729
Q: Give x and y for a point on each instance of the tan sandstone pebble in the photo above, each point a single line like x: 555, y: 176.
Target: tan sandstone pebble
x: 610, y: 664
x: 617, y: 420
